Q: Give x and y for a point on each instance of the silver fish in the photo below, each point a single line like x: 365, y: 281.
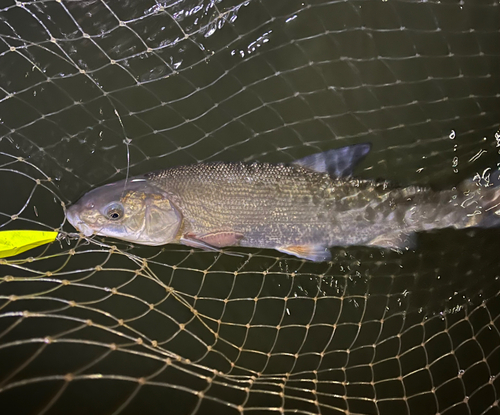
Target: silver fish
x: 302, y: 208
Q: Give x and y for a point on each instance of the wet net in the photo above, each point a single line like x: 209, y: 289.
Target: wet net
x: 93, y: 90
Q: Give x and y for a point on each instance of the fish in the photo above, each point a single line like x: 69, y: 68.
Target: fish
x: 302, y: 208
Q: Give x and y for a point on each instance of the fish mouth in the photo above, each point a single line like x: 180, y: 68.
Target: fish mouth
x: 79, y: 225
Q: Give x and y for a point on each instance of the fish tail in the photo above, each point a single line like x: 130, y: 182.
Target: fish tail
x: 491, y: 201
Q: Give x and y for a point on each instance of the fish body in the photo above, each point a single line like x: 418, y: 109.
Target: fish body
x: 302, y: 208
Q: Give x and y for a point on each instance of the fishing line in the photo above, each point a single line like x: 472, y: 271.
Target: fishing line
x: 127, y: 142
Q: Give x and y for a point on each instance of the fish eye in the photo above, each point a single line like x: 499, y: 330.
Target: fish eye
x: 114, y: 211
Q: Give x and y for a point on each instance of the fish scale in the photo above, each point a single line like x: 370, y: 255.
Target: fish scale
x: 302, y: 208
x: 322, y: 209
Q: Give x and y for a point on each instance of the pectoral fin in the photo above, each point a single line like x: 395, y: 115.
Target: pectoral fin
x: 196, y: 243
x: 211, y: 241
x: 316, y: 253
x: 396, y: 240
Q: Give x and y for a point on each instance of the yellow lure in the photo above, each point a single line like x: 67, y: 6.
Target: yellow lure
x: 15, y: 242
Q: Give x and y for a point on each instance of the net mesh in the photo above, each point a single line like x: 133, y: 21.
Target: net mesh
x: 91, y: 90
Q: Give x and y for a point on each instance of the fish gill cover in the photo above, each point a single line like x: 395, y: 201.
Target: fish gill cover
x: 91, y: 91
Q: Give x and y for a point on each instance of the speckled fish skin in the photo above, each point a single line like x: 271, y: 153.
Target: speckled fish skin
x: 282, y: 205
x: 301, y: 209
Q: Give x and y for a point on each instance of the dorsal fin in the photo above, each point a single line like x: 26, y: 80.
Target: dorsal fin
x: 339, y: 162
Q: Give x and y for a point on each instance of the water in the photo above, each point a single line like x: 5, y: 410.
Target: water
x: 197, y: 332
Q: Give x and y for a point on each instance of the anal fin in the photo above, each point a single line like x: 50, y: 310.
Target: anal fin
x: 395, y: 240
x: 316, y: 253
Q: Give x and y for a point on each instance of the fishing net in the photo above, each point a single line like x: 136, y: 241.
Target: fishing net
x: 93, y: 90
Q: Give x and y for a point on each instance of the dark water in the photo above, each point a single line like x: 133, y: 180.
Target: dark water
x: 91, y: 88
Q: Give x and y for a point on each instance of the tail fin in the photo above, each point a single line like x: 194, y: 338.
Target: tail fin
x: 495, y: 178
x: 491, y: 200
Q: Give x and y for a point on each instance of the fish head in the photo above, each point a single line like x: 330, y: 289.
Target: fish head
x: 133, y: 211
